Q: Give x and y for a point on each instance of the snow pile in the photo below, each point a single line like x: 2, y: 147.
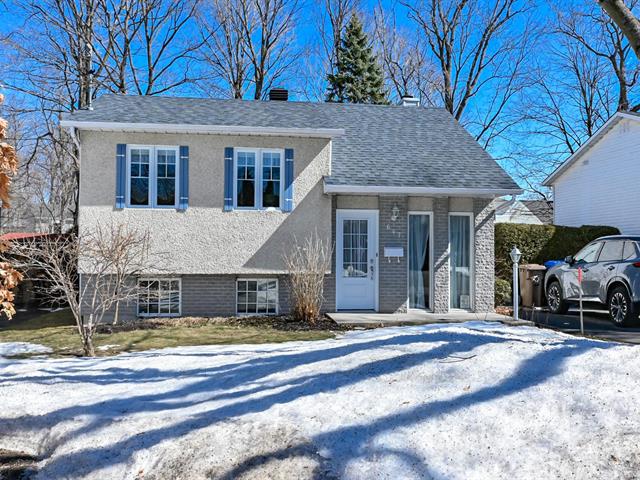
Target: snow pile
x: 13, y: 349
x: 470, y: 401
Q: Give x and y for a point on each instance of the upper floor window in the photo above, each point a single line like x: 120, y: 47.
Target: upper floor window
x: 152, y: 175
x: 257, y: 178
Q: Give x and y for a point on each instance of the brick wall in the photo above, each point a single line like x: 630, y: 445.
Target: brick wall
x: 393, y: 274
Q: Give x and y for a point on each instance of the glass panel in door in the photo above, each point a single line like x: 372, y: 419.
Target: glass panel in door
x: 355, y: 248
x: 419, y: 261
x: 460, y: 261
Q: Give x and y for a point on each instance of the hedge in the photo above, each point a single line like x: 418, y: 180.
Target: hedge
x: 539, y: 243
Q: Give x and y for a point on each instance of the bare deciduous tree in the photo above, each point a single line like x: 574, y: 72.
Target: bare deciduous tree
x: 589, y: 27
x: 223, y: 52
x: 112, y: 257
x: 407, y: 67
x: 248, y: 43
x: 480, y: 48
x: 307, y: 264
x: 68, y: 51
x: 587, y: 74
x: 267, y: 40
x: 625, y: 19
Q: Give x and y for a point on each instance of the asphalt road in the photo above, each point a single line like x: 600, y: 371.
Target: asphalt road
x: 596, y: 324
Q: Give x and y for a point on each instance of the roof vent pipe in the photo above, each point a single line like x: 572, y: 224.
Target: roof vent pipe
x: 410, y: 101
x: 279, y: 94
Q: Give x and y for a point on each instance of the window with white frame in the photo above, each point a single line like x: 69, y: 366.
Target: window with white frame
x: 258, y: 178
x: 159, y: 297
x: 258, y: 296
x: 152, y: 173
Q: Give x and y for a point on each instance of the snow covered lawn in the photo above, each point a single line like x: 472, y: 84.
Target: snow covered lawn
x: 469, y: 401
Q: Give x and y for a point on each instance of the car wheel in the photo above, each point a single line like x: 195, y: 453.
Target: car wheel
x: 621, y: 309
x: 555, y: 301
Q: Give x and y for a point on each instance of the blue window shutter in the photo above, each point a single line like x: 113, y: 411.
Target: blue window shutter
x: 121, y: 174
x: 288, y: 180
x: 228, y: 179
x: 183, y: 203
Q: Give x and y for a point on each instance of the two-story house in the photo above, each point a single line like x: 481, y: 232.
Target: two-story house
x: 224, y: 186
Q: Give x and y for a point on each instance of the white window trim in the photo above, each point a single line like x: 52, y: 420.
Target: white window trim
x: 472, y: 260
x: 264, y: 279
x: 153, y: 179
x: 258, y: 178
x: 431, y: 261
x: 160, y: 315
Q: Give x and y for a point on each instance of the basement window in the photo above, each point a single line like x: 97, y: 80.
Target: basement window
x: 257, y: 296
x: 159, y: 297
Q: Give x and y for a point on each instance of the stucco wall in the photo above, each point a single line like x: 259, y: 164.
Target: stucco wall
x: 204, y: 239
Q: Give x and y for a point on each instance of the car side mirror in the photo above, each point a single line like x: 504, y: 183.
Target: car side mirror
x: 569, y: 259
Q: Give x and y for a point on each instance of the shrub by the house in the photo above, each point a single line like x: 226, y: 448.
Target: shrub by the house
x: 502, y: 292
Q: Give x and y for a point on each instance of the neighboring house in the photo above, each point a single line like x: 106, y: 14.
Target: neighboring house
x: 542, y: 209
x: 514, y: 211
x: 598, y: 184
x: 226, y: 186
x: 533, y: 212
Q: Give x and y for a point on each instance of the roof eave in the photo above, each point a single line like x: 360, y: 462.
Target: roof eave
x: 204, y: 129
x: 427, y: 191
x: 601, y: 132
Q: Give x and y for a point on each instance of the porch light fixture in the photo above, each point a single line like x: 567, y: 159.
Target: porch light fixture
x: 515, y: 255
x: 395, y: 212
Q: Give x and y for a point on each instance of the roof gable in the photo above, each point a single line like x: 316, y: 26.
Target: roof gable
x: 590, y: 143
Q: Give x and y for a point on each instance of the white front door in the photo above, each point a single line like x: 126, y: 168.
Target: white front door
x: 356, y: 259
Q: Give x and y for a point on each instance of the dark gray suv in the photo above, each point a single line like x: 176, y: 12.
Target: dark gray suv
x: 611, y: 276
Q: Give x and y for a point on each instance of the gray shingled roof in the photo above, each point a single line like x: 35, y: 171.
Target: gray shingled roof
x: 382, y: 146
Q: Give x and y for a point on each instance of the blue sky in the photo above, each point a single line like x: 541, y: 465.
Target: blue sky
x: 11, y: 19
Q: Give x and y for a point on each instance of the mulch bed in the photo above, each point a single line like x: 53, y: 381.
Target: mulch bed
x: 280, y: 322
x: 508, y: 311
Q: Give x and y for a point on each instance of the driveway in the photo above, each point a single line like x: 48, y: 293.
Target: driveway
x: 596, y: 323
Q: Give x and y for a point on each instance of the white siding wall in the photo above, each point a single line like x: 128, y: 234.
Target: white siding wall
x: 603, y: 186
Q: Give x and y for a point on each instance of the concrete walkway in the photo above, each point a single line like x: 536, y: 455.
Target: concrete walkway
x: 372, y: 319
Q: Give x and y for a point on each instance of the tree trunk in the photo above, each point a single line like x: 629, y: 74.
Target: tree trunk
x: 88, y: 349
x: 116, y: 313
x: 624, y: 18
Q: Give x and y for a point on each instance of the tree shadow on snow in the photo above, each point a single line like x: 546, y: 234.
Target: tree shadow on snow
x: 234, y: 385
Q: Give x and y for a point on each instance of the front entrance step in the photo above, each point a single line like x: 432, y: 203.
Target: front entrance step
x: 372, y: 319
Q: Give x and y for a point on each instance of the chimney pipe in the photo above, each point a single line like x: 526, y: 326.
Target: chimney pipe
x: 410, y: 101
x: 279, y: 94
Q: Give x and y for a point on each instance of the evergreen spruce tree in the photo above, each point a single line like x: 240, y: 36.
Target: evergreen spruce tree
x: 358, y: 76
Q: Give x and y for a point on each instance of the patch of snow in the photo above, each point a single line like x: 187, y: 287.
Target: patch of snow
x: 104, y: 348
x: 21, y: 348
x: 467, y: 401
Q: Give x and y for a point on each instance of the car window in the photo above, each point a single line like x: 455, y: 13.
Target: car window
x: 588, y: 253
x: 612, y: 251
x: 630, y: 250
